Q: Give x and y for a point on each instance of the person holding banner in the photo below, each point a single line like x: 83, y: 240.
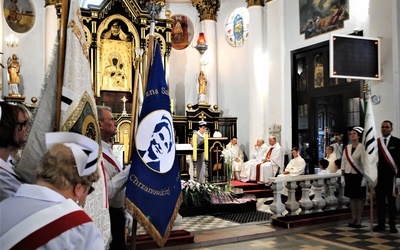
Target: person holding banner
x: 50, y: 215
x: 353, y: 171
x: 388, y: 177
x: 116, y: 179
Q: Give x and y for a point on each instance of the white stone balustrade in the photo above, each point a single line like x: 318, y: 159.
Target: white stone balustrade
x: 324, y: 187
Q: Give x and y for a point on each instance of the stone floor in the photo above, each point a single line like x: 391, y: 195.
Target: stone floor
x: 214, y: 233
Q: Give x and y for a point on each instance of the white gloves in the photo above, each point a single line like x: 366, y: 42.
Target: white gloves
x: 128, y: 220
x: 342, y: 181
x: 363, y: 182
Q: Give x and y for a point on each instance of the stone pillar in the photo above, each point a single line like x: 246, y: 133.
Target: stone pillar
x: 305, y: 203
x: 51, y: 28
x: 208, y: 17
x: 331, y: 200
x: 291, y: 204
x: 319, y: 202
x: 277, y: 207
x: 257, y: 78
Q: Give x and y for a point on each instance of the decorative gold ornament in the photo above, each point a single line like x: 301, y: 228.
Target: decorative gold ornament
x: 207, y: 9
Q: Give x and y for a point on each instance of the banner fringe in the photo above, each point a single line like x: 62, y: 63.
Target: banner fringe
x: 149, y: 228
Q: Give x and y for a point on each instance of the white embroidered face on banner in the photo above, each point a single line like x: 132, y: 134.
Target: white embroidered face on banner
x: 155, y: 141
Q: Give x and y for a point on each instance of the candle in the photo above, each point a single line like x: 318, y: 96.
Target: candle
x: 194, y: 144
x: 126, y: 147
x: 206, y: 146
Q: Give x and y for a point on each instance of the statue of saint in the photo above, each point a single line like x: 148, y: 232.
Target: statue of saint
x: 13, y: 68
x: 202, y: 98
x: 202, y: 83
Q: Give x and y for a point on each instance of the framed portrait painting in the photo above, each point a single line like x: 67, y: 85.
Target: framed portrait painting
x: 19, y: 15
x: 182, y: 32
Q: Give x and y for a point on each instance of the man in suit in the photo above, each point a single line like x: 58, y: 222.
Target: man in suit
x: 388, y: 175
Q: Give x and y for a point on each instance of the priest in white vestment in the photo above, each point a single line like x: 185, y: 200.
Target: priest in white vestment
x: 237, y: 163
x: 260, y: 150
x: 331, y: 157
x: 296, y: 166
x: 271, y: 165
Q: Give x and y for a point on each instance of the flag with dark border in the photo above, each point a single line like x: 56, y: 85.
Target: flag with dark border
x: 153, y: 188
x: 369, y: 140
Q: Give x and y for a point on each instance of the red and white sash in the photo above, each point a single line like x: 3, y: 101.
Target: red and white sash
x: 44, y: 225
x: 389, y: 159
x: 351, y: 161
x: 387, y: 155
x: 111, y: 159
x: 105, y: 189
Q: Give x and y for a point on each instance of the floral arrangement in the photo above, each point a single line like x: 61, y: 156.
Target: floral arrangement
x: 229, y: 156
x: 198, y: 194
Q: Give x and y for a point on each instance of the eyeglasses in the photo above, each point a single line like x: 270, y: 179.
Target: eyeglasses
x: 385, y: 127
x: 21, y: 124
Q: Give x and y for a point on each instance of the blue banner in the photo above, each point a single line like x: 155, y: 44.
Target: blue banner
x: 153, y: 189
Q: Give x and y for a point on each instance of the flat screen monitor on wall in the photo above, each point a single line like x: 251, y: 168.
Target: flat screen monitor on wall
x: 354, y: 57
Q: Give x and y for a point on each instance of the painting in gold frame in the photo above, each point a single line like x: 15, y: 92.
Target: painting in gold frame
x: 115, y: 65
x: 116, y: 58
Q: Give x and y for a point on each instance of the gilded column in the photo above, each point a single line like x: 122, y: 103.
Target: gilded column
x: 257, y: 68
x: 208, y: 17
x: 51, y: 27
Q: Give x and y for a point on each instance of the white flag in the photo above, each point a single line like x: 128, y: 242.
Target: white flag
x: 370, y: 159
x: 79, y: 112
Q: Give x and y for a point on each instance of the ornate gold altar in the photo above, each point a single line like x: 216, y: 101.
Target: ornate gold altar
x: 114, y: 30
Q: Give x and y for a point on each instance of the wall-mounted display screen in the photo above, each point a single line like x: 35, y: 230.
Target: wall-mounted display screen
x: 354, y: 57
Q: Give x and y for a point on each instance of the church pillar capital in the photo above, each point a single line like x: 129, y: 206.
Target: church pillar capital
x: 251, y: 3
x: 50, y: 2
x: 207, y: 9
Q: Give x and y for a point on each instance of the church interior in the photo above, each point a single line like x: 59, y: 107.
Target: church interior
x: 250, y: 69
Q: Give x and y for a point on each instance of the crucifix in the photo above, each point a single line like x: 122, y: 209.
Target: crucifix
x: 202, y: 116
x: 124, y: 113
